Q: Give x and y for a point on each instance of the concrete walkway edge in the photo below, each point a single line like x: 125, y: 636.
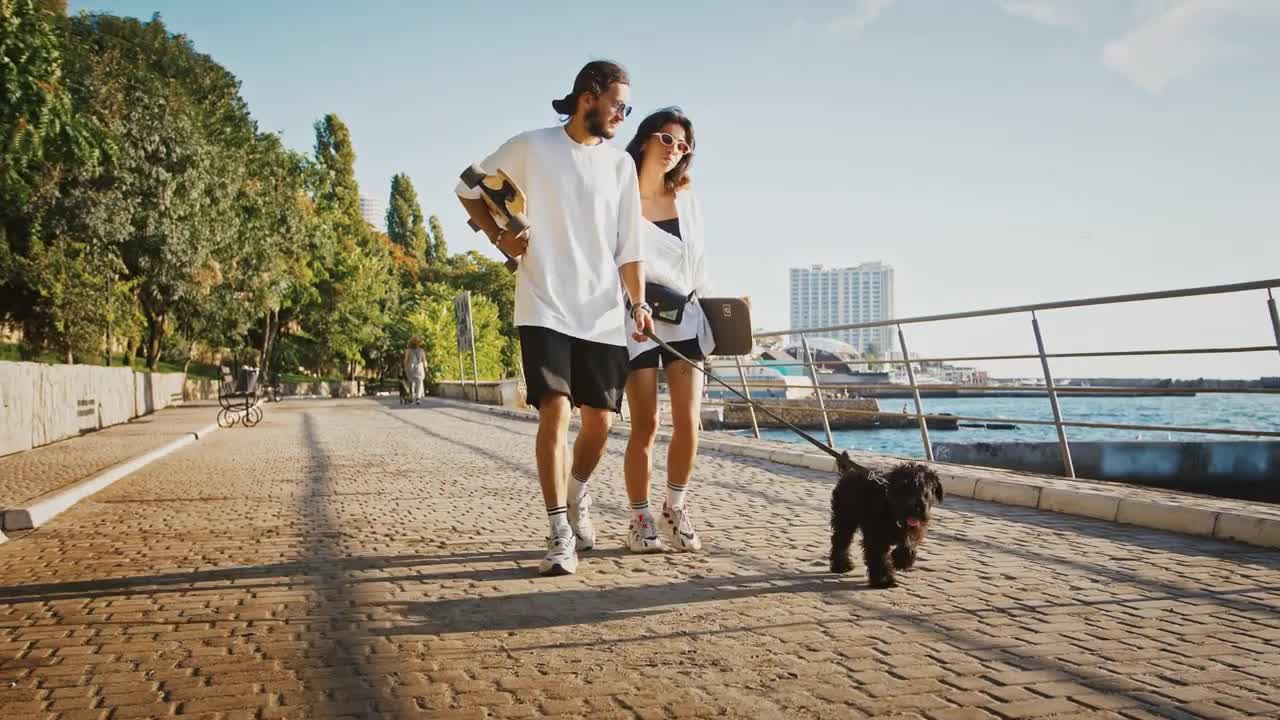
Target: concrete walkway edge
x: 1025, y: 490
x: 42, y: 509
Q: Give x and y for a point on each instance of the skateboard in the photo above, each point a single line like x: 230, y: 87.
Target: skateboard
x: 505, y: 199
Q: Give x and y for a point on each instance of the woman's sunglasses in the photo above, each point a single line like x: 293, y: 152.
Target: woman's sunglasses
x: 668, y: 139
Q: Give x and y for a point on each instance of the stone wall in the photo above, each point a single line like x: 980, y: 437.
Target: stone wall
x: 1248, y: 470
x: 204, y: 389
x: 507, y: 393
x: 41, y: 404
x: 803, y: 413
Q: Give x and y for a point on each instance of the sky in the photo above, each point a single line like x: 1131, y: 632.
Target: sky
x: 994, y: 152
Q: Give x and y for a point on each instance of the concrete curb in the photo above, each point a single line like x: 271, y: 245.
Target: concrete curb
x: 1099, y: 501
x: 44, y: 508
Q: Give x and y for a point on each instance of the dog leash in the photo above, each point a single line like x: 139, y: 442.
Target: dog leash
x: 813, y: 440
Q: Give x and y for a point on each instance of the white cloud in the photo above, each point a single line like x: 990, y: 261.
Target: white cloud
x: 1055, y: 13
x: 1176, y: 39
x: 864, y: 13
x: 1164, y: 40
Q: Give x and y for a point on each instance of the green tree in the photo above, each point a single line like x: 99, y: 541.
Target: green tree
x: 39, y: 129
x: 337, y: 192
x: 167, y: 199
x: 489, y: 279
x: 439, y: 248
x: 356, y: 292
x: 258, y: 274
x: 431, y: 318
x: 491, y: 345
x: 77, y: 302
x: 42, y: 138
x: 404, y: 218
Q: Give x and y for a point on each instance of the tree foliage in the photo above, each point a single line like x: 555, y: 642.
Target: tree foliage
x: 140, y: 206
x: 404, y: 218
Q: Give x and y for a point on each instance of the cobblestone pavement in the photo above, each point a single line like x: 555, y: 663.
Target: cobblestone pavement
x: 31, y: 473
x: 347, y: 558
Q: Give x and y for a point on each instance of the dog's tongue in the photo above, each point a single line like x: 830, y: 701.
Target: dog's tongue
x: 913, y: 522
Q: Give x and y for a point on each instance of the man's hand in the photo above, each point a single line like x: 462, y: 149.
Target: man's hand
x: 512, y: 245
x: 644, y: 323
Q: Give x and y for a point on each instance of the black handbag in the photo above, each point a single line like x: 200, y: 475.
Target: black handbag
x: 730, y: 321
x: 667, y: 303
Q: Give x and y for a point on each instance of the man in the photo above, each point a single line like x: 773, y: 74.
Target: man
x: 585, y: 223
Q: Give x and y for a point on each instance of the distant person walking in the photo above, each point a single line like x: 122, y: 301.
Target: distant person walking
x: 415, y: 368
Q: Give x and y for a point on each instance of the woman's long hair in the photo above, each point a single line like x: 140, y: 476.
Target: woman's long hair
x: 678, y: 176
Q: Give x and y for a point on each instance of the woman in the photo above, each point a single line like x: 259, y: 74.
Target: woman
x: 415, y: 368
x: 673, y: 256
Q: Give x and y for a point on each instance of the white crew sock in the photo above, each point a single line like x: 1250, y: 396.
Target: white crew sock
x: 559, y: 519
x: 577, y: 489
x: 675, y: 495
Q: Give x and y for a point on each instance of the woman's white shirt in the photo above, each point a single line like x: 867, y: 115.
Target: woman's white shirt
x: 679, y: 263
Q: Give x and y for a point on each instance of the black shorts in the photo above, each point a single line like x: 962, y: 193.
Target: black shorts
x: 650, y: 358
x: 589, y: 373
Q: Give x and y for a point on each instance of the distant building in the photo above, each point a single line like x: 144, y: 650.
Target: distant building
x: 374, y: 212
x: 823, y: 296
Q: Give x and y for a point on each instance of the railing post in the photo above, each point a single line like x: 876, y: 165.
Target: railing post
x: 817, y: 389
x: 742, y: 374
x: 1063, y: 446
x: 1275, y: 316
x: 915, y: 392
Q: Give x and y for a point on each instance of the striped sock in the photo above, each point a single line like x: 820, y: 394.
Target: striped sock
x: 640, y: 508
x: 675, y: 495
x: 559, y: 519
x: 577, y: 488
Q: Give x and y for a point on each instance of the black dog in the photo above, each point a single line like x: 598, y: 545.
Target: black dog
x: 892, y: 510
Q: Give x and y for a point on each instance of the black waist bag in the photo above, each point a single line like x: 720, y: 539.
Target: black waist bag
x: 667, y: 303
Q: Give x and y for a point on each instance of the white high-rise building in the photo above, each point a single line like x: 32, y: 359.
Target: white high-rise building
x: 374, y: 212
x: 823, y: 296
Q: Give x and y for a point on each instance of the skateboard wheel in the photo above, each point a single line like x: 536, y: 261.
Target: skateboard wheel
x: 472, y: 224
x: 516, y: 224
x: 472, y: 176
x: 512, y: 264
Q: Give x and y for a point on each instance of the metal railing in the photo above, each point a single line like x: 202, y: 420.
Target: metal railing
x: 1050, y: 388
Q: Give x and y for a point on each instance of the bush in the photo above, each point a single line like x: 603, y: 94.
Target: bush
x: 431, y: 319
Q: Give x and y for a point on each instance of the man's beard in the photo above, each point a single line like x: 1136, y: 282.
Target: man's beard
x: 599, y: 126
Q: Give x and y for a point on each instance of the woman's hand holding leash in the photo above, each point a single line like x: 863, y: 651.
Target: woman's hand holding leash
x: 840, y: 457
x: 643, y: 315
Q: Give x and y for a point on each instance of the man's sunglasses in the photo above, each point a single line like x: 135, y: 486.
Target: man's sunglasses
x: 668, y: 139
x: 620, y: 108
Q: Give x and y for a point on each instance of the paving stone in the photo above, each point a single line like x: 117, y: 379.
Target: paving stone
x: 351, y: 558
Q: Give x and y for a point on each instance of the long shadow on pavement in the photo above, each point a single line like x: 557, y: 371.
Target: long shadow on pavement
x: 582, y: 606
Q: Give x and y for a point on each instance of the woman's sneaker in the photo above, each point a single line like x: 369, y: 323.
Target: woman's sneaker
x: 677, y: 525
x: 580, y: 521
x: 642, y: 534
x: 561, y: 558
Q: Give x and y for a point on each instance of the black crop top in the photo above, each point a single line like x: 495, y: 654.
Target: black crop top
x: 671, y: 226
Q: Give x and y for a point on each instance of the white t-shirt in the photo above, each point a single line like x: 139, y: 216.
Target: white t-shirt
x: 585, y: 223
x: 679, y: 263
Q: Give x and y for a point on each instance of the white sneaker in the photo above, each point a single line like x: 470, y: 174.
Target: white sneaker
x: 677, y: 525
x: 561, y: 559
x: 580, y: 521
x: 642, y: 534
